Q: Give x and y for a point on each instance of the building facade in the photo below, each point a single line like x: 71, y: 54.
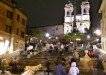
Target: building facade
x: 12, y: 27
x: 102, y: 10
x: 82, y: 20
x: 53, y: 31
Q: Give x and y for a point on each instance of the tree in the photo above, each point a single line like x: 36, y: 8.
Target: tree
x: 72, y: 37
x: 38, y: 33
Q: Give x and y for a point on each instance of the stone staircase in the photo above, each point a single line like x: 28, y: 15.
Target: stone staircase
x: 43, y: 58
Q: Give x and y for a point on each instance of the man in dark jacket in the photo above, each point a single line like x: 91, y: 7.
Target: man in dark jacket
x: 60, y: 69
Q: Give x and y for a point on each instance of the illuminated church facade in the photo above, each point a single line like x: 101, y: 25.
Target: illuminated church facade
x: 82, y: 20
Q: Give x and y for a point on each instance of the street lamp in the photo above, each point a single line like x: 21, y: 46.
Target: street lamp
x: 56, y: 37
x: 97, y: 39
x: 47, y: 35
x: 97, y: 32
x: 88, y: 36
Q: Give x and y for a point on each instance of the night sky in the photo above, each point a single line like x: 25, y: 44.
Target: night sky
x: 51, y: 12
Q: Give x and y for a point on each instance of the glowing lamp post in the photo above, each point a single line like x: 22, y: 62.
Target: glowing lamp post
x: 97, y: 32
x: 88, y: 36
x: 47, y: 35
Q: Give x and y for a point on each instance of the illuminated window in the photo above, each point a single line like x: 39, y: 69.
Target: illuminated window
x: 84, y: 11
x: 68, y: 13
x: 8, y: 29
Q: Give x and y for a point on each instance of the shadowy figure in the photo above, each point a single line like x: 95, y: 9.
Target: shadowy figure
x: 99, y: 67
x: 73, y: 60
x: 60, y: 68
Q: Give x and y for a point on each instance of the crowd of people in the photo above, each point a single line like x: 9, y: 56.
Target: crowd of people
x: 63, y: 67
x: 48, y: 47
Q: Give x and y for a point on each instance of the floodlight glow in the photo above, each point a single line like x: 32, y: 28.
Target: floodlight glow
x: 56, y: 37
x: 97, y: 32
x: 1, y: 38
x: 97, y: 39
x: 49, y: 37
x: 78, y: 39
x: 88, y: 36
x: 103, y: 51
x: 71, y: 42
x: 47, y: 34
x: 31, y: 38
x: 2, y: 51
x: 6, y: 44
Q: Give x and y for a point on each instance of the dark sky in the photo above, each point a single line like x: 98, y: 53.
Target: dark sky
x: 51, y: 12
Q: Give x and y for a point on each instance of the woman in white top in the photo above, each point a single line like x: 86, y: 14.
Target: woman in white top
x: 73, y: 69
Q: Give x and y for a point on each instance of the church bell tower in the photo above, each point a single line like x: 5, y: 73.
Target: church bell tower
x: 68, y: 26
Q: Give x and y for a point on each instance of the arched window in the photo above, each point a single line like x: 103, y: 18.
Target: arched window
x: 68, y: 13
x: 84, y: 11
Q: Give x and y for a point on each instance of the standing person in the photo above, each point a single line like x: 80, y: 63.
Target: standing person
x: 72, y: 60
x: 60, y: 69
x: 51, y: 48
x: 68, y: 63
x: 73, y: 69
x: 76, y: 55
x: 39, y: 46
x: 47, y: 47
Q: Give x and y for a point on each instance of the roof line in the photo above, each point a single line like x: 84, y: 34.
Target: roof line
x: 14, y: 7
x: 44, y: 26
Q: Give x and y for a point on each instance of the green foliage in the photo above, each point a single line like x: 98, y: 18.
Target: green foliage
x: 72, y: 36
x: 38, y: 33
